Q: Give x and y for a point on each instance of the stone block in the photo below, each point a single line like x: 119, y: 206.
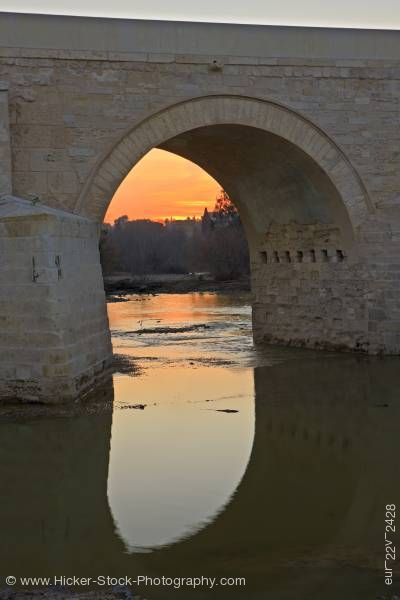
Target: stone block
x: 52, y: 328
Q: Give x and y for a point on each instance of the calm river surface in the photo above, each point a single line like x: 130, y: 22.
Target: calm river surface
x: 217, y: 459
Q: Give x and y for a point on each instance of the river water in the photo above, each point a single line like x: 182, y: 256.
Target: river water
x: 217, y: 459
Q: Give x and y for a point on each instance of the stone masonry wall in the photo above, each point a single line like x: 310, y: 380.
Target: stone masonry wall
x: 54, y: 336
x: 312, y: 290
x: 66, y: 112
x: 68, y: 109
x: 5, y: 143
x: 303, y: 296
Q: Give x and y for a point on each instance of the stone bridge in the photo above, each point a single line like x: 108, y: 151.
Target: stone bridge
x: 299, y: 125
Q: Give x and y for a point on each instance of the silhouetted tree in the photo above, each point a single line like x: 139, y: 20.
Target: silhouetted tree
x: 227, y: 253
x: 108, y: 254
x: 224, y: 206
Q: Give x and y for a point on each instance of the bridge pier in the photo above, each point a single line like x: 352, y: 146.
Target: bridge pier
x: 55, y: 341
x: 312, y: 290
x: 54, y: 336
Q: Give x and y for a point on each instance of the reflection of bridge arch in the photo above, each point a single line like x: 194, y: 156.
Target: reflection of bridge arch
x: 308, y: 499
x: 184, y: 466
x: 314, y: 490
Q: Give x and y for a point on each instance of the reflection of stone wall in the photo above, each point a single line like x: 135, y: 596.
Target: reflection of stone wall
x: 306, y: 521
x: 54, y: 515
x: 306, y: 517
x: 335, y: 417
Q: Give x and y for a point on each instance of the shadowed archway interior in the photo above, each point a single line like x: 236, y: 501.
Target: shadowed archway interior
x: 269, y: 179
x: 299, y: 198
x: 244, y: 130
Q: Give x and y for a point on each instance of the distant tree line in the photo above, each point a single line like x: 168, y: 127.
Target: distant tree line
x: 216, y: 244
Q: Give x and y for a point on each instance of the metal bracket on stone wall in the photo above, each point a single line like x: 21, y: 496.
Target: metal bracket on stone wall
x: 216, y: 65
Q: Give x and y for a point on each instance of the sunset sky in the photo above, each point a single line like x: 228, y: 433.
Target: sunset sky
x: 163, y: 185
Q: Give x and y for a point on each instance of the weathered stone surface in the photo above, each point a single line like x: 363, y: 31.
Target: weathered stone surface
x: 5, y: 146
x: 303, y: 135
x: 54, y: 338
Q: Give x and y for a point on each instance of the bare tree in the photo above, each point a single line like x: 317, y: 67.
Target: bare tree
x: 224, y: 205
x: 216, y: 244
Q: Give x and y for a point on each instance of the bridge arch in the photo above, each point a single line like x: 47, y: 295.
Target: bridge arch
x: 319, y: 268
x: 306, y: 148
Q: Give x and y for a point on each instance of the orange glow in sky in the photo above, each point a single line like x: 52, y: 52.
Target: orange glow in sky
x: 163, y: 185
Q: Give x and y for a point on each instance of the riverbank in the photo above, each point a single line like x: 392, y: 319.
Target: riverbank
x: 116, y: 286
